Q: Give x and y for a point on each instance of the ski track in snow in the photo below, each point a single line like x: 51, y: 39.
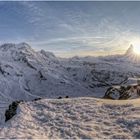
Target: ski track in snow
x: 83, y: 118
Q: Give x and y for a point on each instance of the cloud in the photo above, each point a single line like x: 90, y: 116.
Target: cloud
x: 83, y: 46
x: 68, y: 28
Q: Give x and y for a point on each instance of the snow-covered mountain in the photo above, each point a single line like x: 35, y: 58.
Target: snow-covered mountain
x: 130, y: 51
x: 26, y: 74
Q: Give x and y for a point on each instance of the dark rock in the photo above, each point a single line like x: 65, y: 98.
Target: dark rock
x: 67, y: 97
x: 42, y: 77
x: 62, y: 82
x: 122, y: 92
x: 11, y: 111
x: 128, y: 87
x: 91, y: 86
x: 59, y: 97
x: 36, y: 99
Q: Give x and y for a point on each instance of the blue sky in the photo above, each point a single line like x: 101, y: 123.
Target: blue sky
x: 71, y: 28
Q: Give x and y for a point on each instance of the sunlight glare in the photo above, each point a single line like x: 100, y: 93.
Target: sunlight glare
x: 137, y: 48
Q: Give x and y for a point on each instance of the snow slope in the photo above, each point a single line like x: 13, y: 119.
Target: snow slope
x: 83, y: 118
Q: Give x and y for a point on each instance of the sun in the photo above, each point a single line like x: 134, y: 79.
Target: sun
x: 137, y: 48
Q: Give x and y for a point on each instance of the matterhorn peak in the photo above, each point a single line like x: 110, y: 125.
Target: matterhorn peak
x: 130, y: 50
x: 131, y: 55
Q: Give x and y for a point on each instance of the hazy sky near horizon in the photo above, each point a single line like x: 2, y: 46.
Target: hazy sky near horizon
x: 71, y: 28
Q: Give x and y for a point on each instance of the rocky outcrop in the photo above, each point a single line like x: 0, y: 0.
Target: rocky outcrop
x: 11, y: 111
x: 122, y: 92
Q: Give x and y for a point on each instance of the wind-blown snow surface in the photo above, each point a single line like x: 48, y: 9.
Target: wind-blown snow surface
x: 74, y: 118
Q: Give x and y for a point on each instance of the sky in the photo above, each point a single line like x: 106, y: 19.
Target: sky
x: 71, y: 28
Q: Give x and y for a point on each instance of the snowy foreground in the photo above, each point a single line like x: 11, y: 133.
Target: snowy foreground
x: 75, y: 118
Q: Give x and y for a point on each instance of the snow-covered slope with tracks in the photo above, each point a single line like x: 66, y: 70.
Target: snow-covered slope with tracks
x: 84, y: 118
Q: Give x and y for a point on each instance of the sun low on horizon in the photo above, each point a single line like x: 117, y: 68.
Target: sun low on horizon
x: 136, y: 48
